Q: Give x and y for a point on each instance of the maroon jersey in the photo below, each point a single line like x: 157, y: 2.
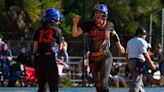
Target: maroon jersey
x: 97, y: 35
x: 46, y: 38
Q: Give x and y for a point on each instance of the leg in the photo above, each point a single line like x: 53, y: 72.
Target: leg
x: 52, y: 74
x: 40, y: 74
x: 137, y: 83
x: 94, y: 67
x: 105, y: 73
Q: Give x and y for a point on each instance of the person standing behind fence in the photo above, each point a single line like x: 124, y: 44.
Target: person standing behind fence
x: 44, y: 57
x: 159, y: 57
x: 100, y: 31
x: 137, y: 55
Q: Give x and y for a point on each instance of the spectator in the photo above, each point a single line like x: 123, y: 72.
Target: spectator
x: 61, y: 65
x: 160, y: 58
x: 63, y: 52
x: 6, y: 61
x: 157, y: 53
x: 25, y: 57
x: 1, y: 44
x: 60, y: 60
x: 117, y: 80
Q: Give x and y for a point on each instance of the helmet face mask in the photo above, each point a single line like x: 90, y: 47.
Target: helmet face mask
x: 52, y: 15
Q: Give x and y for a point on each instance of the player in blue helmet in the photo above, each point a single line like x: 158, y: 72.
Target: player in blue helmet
x: 103, y: 8
x: 100, y: 31
x: 44, y: 56
x: 52, y: 15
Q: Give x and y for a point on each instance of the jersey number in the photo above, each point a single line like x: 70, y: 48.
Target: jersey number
x: 45, y: 36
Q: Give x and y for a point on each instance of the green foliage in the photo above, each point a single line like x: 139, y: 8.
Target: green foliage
x: 31, y: 7
x: 66, y: 23
x: 20, y: 18
x: 132, y: 26
x: 65, y: 82
x: 50, y: 3
x: 2, y: 5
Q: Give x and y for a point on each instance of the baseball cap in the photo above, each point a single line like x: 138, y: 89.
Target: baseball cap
x: 24, y: 50
x: 140, y: 31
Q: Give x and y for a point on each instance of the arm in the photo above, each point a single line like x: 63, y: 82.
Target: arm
x: 149, y: 61
x: 9, y: 56
x: 35, y: 47
x: 126, y: 56
x: 120, y: 47
x: 62, y: 62
x: 65, y: 45
x: 118, y: 44
x: 60, y: 47
x: 75, y: 30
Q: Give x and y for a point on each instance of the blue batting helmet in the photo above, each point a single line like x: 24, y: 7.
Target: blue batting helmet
x: 51, y: 15
x: 103, y: 8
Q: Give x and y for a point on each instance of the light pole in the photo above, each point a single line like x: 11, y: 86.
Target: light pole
x: 150, y: 29
x: 162, y: 30
x: 162, y: 27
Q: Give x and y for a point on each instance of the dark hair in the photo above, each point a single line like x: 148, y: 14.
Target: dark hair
x: 1, y: 36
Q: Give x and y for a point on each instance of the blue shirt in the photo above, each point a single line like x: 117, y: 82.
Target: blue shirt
x: 136, y: 48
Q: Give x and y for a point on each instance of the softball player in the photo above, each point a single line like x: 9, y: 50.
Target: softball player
x: 100, y: 31
x: 44, y: 60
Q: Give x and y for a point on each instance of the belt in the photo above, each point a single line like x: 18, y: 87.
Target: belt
x: 100, y: 53
x: 136, y: 59
x: 46, y: 53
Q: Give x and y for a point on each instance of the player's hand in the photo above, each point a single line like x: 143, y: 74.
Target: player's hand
x: 66, y: 65
x: 122, y: 49
x: 76, y: 19
x: 153, y: 67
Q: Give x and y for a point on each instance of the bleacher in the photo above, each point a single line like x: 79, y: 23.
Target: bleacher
x: 76, y: 78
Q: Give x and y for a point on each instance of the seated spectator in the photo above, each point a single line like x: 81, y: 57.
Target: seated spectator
x: 25, y: 57
x: 63, y: 52
x: 61, y: 65
x: 6, y: 60
x: 15, y: 75
x: 116, y: 79
x: 29, y: 78
x: 159, y: 58
x: 60, y: 60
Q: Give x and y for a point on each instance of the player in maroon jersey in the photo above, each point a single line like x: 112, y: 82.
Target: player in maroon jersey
x: 100, y: 32
x: 44, y: 61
